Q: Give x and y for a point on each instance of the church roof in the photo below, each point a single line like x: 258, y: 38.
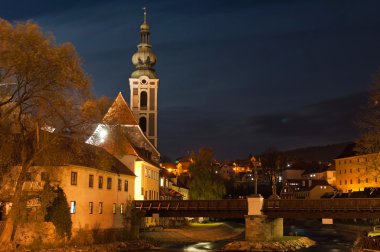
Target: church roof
x: 119, y: 113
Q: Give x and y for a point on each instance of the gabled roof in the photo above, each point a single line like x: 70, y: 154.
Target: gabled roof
x: 119, y: 113
x: 66, y: 151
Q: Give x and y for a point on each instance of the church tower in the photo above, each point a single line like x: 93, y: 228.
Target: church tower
x: 144, y: 85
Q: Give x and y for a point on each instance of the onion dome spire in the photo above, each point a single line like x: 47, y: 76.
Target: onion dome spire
x: 144, y: 59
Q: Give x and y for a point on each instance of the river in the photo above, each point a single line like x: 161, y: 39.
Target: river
x: 328, y: 240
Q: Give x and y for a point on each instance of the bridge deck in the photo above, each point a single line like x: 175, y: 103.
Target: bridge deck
x: 238, y: 208
x: 193, y: 208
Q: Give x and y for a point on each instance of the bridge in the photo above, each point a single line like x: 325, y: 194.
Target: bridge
x: 347, y: 208
x: 263, y: 217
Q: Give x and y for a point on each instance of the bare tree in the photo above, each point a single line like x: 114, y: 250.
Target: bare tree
x: 368, y: 143
x: 42, y: 86
x: 272, y: 162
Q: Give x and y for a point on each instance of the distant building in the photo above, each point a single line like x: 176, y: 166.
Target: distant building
x: 305, y: 189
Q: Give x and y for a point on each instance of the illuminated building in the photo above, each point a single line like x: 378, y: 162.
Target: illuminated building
x: 144, y: 85
x: 356, y: 172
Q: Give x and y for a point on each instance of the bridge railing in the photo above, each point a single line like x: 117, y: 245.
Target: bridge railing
x: 190, y: 205
x: 348, y: 204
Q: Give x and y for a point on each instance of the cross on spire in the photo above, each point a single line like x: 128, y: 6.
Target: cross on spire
x: 144, y: 9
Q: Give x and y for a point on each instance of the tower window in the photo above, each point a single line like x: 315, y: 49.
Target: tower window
x: 143, y: 100
x: 142, y: 123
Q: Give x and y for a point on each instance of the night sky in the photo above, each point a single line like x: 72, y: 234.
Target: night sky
x: 237, y: 76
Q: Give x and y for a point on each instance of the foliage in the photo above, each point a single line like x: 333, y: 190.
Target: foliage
x: 205, y: 183
x: 42, y: 88
x: 58, y: 212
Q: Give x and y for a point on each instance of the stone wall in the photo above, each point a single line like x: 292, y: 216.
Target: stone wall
x: 262, y: 228
x: 43, y: 232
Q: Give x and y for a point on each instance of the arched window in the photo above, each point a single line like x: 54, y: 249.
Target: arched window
x: 143, y: 100
x: 142, y: 123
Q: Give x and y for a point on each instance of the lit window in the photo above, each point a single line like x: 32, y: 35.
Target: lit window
x: 109, y: 183
x: 121, y: 208
x: 91, y: 207
x: 100, y: 182
x: 100, y: 207
x: 74, y: 178
x: 114, y: 208
x: 91, y: 181
x: 125, y: 185
x: 119, y: 184
x: 73, y: 207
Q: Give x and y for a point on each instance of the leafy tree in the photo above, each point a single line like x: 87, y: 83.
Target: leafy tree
x: 205, y: 183
x: 42, y: 86
x: 58, y: 212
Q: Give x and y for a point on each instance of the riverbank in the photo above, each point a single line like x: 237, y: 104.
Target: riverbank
x: 286, y: 243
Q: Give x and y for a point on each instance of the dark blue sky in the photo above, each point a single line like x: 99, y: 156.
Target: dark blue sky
x: 237, y: 76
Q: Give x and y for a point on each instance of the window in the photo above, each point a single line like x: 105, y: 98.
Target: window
x: 350, y: 170
x: 28, y: 176
x: 100, y: 182
x: 345, y: 182
x: 340, y: 182
x: 91, y: 181
x: 114, y: 208
x: 345, y: 171
x: 340, y: 171
x: 45, y: 176
x: 121, y: 208
x: 350, y: 181
x: 73, y: 207
x: 91, y: 207
x: 366, y: 180
x: 358, y: 181
x: 119, y: 184
x: 109, y: 183
x: 143, y: 100
x: 142, y: 124
x: 376, y: 180
x: 100, y: 210
x: 74, y: 178
x: 125, y: 185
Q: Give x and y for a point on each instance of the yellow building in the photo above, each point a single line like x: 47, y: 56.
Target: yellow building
x: 98, y: 187
x: 356, y: 172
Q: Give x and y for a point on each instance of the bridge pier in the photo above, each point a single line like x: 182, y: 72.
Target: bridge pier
x: 259, y: 227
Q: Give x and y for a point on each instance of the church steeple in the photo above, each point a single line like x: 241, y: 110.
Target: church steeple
x: 144, y: 59
x: 144, y: 85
